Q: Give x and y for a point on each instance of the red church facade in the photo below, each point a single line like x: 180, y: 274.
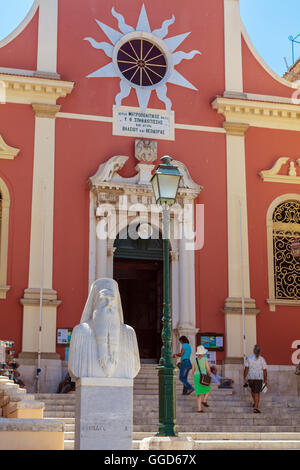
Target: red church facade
x: 229, y: 121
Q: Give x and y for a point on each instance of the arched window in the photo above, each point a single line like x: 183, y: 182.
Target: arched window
x: 4, y: 224
x: 286, y: 226
x: 284, y: 268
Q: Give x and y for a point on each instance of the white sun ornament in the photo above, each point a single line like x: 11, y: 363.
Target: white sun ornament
x: 142, y: 59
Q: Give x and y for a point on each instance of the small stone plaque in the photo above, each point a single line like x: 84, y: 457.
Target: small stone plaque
x: 152, y: 124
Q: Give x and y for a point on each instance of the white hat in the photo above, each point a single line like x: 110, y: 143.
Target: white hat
x: 201, y: 350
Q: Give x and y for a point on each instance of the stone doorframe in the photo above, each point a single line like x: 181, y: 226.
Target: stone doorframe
x: 117, y: 202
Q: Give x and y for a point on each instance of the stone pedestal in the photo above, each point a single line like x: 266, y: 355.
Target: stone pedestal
x: 103, y: 418
x: 167, y: 443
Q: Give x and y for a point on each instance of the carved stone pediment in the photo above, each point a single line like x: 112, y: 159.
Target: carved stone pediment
x: 6, y: 151
x: 274, y: 175
x: 108, y: 172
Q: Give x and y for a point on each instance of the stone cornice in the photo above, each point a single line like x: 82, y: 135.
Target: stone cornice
x: 273, y: 115
x: 137, y: 189
x: 235, y: 128
x: 46, y: 110
x: 29, y: 90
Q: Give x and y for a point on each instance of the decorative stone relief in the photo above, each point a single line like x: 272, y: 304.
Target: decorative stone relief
x: 6, y: 151
x: 272, y: 175
x: 146, y: 150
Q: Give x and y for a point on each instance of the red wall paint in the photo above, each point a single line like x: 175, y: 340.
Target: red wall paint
x: 17, y: 174
x: 275, y: 330
x: 21, y: 53
x: 257, y: 79
x: 77, y: 58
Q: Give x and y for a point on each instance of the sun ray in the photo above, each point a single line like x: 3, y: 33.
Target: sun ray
x: 113, y: 35
x: 161, y: 93
x: 105, y: 46
x: 143, y: 97
x: 179, y: 56
x: 163, y: 31
x: 125, y: 89
x: 175, y: 41
x: 143, y: 22
x: 125, y: 28
x: 177, y: 79
x: 106, y: 71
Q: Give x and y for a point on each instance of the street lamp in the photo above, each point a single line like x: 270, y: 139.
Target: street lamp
x: 165, y: 183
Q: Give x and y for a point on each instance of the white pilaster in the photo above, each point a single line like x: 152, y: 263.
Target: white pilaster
x: 47, y: 39
x: 101, y: 251
x: 233, y: 47
x: 42, y: 200
x: 237, y: 222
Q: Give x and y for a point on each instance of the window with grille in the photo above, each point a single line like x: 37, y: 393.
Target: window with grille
x: 286, y: 227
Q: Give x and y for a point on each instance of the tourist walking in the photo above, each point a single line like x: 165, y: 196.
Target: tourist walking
x: 202, y: 377
x: 185, y: 364
x: 256, y: 373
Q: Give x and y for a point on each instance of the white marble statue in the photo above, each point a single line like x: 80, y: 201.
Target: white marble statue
x: 102, y: 345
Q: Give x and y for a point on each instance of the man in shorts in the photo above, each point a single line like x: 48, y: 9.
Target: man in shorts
x: 256, y: 373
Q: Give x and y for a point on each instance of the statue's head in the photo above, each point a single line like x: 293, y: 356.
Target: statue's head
x: 104, y: 299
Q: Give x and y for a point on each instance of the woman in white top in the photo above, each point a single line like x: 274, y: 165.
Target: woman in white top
x: 256, y: 372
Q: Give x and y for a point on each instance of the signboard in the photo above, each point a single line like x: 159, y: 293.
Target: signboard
x: 211, y: 341
x: 151, y: 124
x: 212, y: 357
x: 64, y: 336
x: 2, y: 352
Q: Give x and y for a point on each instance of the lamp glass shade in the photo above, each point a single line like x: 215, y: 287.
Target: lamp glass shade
x: 165, y: 182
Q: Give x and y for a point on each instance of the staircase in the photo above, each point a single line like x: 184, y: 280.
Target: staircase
x: 228, y: 423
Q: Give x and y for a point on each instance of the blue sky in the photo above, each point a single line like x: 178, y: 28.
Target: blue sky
x: 269, y: 24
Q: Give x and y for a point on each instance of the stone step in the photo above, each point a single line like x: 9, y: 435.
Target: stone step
x: 239, y: 445
x: 141, y: 415
x: 55, y: 396
x: 66, y: 421
x: 59, y: 408
x: 69, y: 445
x: 247, y: 445
x: 239, y: 436
x: 61, y: 414
x: 69, y: 435
x: 213, y: 428
x: 216, y: 421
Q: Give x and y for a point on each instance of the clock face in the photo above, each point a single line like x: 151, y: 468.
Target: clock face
x: 142, y: 62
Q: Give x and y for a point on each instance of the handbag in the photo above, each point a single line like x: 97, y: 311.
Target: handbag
x: 204, y: 379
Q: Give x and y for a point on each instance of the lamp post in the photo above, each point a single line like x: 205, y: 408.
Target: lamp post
x: 165, y: 183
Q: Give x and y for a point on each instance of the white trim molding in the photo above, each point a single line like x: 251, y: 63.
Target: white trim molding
x: 22, y: 25
x: 233, y: 47
x: 264, y: 114
x: 29, y: 90
x: 4, y: 238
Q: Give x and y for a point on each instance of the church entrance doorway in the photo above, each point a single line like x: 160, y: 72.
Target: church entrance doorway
x: 138, y: 269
